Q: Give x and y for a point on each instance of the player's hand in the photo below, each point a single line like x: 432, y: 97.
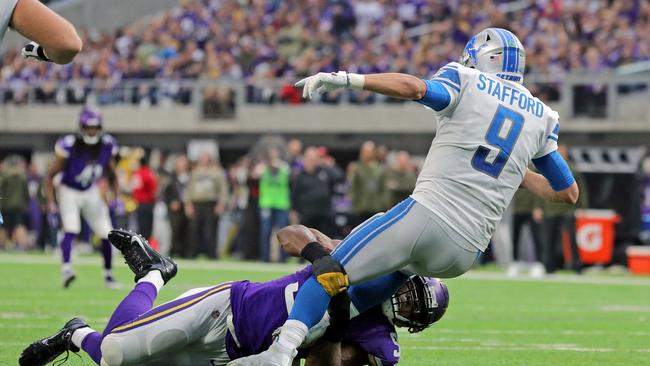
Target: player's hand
x: 35, y: 51
x: 294, y: 238
x: 330, y: 274
x: 323, y: 82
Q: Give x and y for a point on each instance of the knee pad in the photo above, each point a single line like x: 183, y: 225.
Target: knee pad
x: 112, y: 353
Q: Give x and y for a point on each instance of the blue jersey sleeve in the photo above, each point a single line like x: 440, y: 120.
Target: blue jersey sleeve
x: 436, y: 97
x: 554, y: 168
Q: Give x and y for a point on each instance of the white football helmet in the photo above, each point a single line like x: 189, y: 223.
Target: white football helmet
x: 496, y: 51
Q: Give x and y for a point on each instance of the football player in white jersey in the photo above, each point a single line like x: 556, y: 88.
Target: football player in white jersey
x: 54, y: 39
x: 490, y: 127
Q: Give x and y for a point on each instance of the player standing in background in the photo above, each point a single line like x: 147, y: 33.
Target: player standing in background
x: 53, y: 38
x: 212, y: 325
x: 490, y: 127
x: 82, y: 159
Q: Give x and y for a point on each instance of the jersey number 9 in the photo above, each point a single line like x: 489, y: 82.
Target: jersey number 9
x: 502, y: 139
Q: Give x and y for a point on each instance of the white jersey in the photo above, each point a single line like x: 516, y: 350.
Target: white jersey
x: 486, y: 138
x: 6, y: 11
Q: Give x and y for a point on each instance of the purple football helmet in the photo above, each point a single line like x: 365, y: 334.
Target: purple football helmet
x: 418, y: 303
x: 90, y: 118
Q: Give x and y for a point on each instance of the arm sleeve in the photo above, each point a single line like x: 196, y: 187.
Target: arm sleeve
x: 443, y: 89
x: 436, y: 97
x: 554, y: 168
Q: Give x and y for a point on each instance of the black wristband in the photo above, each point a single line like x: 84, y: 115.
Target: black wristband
x: 41, y: 53
x: 313, y: 251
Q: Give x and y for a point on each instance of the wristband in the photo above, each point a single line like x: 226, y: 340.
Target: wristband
x: 313, y: 251
x: 356, y: 81
x: 41, y: 53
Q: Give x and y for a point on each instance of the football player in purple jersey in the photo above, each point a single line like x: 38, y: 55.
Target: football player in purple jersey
x: 213, y: 325
x: 81, y: 160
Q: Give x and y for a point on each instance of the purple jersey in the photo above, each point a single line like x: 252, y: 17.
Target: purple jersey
x: 85, y: 164
x: 258, y: 309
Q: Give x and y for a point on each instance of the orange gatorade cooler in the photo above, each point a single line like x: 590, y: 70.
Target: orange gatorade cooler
x: 595, y: 235
x: 638, y: 259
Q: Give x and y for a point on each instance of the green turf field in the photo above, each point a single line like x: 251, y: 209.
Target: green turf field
x: 566, y: 320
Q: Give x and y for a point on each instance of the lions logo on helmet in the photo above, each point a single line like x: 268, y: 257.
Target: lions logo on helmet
x: 496, y: 51
x: 417, y: 304
x: 90, y: 126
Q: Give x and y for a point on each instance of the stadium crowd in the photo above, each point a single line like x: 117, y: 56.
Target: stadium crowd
x: 261, y: 42
x: 264, y: 190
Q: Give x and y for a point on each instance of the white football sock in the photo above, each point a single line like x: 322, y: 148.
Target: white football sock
x: 108, y: 273
x: 80, y: 334
x: 155, y: 278
x: 66, y: 267
x: 292, y: 335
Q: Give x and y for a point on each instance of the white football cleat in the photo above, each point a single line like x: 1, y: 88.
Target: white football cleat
x: 276, y: 355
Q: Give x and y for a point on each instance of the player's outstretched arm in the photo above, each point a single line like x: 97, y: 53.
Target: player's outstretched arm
x: 395, y: 85
x: 539, y: 185
x: 56, y: 37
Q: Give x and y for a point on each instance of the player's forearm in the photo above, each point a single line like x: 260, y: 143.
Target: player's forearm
x: 395, y: 85
x: 56, y: 35
x: 49, y: 189
x: 539, y: 185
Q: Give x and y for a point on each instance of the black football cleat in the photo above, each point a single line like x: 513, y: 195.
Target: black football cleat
x: 48, y: 349
x: 140, y: 256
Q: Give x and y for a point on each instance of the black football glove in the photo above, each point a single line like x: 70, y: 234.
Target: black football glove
x: 34, y: 50
x: 328, y: 272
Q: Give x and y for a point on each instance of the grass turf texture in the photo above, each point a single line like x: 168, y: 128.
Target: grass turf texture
x: 567, y: 320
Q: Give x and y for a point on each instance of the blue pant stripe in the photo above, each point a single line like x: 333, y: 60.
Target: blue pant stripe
x: 377, y: 225
x: 355, y: 232
x: 375, y: 233
x: 362, y: 230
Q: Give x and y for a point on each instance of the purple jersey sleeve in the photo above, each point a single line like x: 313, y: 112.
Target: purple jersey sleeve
x: 64, y: 145
x: 374, y: 334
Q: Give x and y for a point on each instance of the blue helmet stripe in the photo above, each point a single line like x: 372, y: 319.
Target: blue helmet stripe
x: 505, y: 44
x: 510, y: 53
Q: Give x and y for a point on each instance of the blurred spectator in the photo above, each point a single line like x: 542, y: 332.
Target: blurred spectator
x: 249, y: 237
x: 367, y: 184
x: 559, y: 218
x: 205, y: 201
x: 645, y: 205
x: 218, y: 102
x: 294, y: 150
x: 400, y: 179
x: 274, y: 200
x: 15, y: 198
x: 174, y: 196
x: 311, y: 194
x: 37, y: 212
x: 270, y: 40
x: 144, y: 184
x: 525, y: 210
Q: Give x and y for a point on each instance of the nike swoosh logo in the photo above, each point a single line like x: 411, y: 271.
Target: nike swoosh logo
x: 141, y: 246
